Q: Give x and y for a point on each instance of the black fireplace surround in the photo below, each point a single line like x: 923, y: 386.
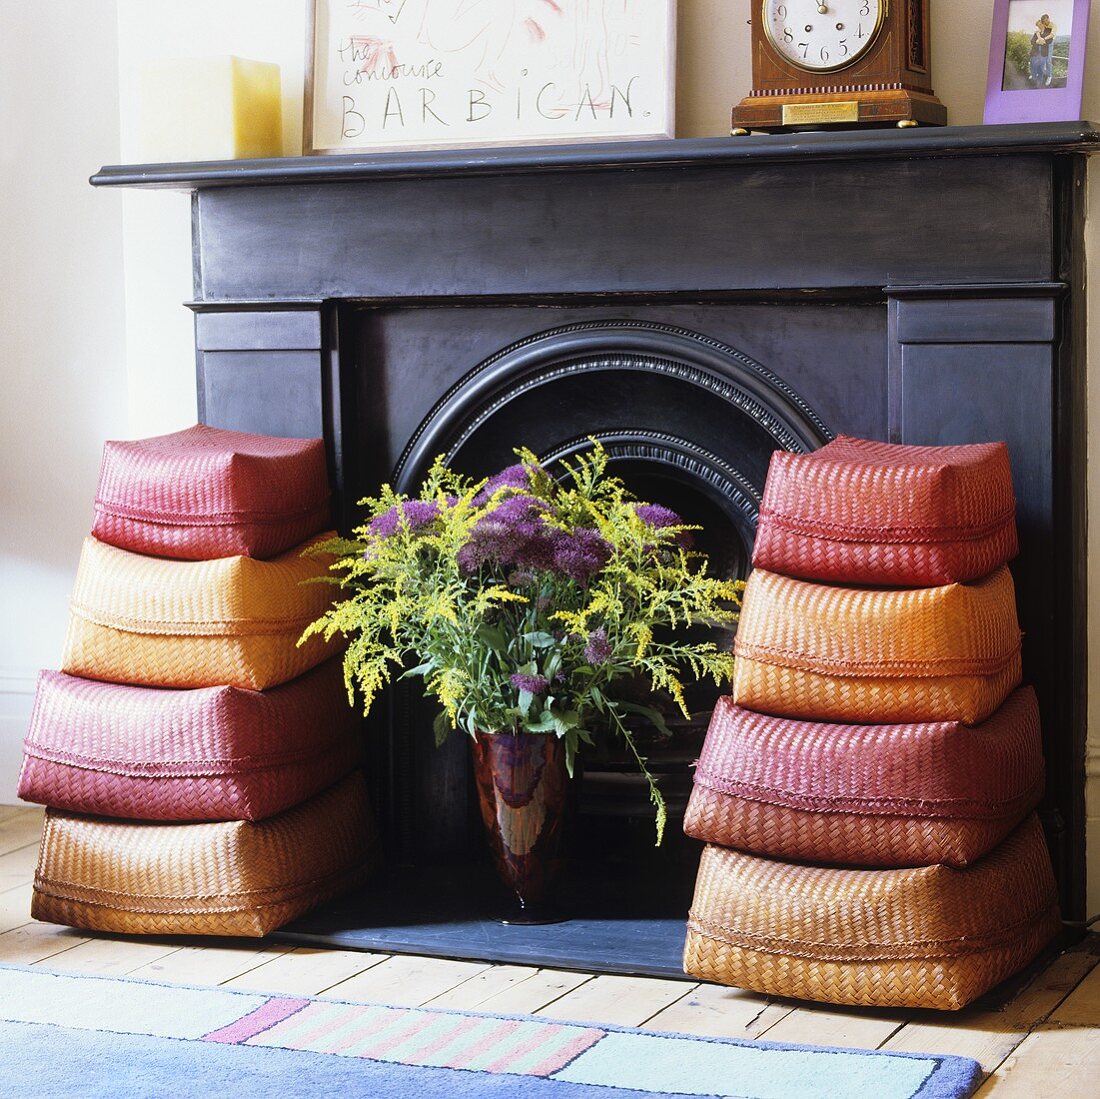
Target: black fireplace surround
x: 693, y: 304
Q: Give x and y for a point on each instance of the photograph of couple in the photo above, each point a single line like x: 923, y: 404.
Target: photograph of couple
x: 1037, y: 44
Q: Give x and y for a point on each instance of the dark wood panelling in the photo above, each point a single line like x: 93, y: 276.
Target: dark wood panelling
x: 270, y: 392
x: 822, y: 225
x: 976, y: 320
x: 288, y: 330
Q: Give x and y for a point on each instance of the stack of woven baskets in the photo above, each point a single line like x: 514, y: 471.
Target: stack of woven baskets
x: 230, y: 802
x: 867, y: 792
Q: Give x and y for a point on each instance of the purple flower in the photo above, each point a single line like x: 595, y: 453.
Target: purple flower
x: 533, y: 684
x: 517, y: 477
x: 580, y: 554
x: 418, y: 513
x: 656, y: 516
x: 513, y: 533
x: 598, y: 649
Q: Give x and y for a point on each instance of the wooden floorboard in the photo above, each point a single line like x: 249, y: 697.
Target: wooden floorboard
x: 1045, y: 1042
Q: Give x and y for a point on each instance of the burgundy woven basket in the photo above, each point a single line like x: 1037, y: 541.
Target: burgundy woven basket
x: 861, y: 512
x: 216, y: 753
x: 866, y: 795
x: 205, y: 493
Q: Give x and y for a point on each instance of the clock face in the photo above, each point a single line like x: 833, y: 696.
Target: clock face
x: 822, y: 35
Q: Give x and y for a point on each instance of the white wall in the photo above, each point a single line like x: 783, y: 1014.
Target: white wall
x: 61, y: 325
x: 78, y: 382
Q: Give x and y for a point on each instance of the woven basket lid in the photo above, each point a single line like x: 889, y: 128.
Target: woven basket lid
x: 226, y: 597
x: 887, y: 492
x: 205, y: 474
x: 141, y: 732
x: 952, y: 630
x: 932, y: 769
x: 827, y: 913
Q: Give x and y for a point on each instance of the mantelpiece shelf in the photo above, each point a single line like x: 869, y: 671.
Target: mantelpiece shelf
x: 944, y: 141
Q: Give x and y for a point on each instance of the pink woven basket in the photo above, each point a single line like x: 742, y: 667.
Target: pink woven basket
x: 205, y: 493
x: 217, y: 753
x: 861, y: 512
x: 866, y: 795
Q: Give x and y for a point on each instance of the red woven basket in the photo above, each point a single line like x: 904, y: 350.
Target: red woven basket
x: 866, y: 795
x: 861, y: 512
x: 217, y: 753
x: 205, y: 493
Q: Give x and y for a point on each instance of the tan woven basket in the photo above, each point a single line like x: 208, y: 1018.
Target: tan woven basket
x: 932, y: 937
x: 866, y: 795
x: 159, y: 623
x: 863, y: 512
x: 235, y: 878
x: 826, y: 653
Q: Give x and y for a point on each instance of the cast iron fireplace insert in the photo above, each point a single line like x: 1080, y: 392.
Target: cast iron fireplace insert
x: 695, y: 305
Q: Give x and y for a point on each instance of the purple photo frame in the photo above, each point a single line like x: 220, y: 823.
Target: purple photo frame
x: 1035, y: 104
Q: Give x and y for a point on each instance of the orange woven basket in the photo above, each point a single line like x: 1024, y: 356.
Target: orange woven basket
x: 215, y: 753
x: 234, y: 878
x: 866, y: 795
x: 862, y: 512
x: 206, y: 492
x: 158, y: 623
x: 931, y: 937
x: 826, y: 653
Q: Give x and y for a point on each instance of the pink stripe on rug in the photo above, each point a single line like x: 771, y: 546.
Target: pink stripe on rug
x: 564, y: 1054
x: 440, y: 1040
x: 507, y: 1026
x: 379, y: 1048
x: 541, y: 1033
x: 255, y: 1022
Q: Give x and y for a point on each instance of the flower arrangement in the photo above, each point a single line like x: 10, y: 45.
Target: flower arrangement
x: 523, y: 601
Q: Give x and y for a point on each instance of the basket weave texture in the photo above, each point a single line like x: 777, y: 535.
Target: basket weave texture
x: 235, y: 878
x: 158, y: 623
x: 205, y: 493
x: 862, y: 512
x: 866, y: 795
x: 215, y: 753
x: 814, y: 651
x: 931, y: 937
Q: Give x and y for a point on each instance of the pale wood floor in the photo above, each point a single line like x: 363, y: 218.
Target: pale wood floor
x: 1044, y: 1043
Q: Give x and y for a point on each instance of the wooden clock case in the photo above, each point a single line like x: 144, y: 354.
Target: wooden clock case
x: 888, y: 85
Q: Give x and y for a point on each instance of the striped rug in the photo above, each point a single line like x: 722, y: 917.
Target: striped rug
x: 65, y: 1034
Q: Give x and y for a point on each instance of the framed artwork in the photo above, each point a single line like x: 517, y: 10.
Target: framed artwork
x: 393, y: 74
x: 1036, y: 61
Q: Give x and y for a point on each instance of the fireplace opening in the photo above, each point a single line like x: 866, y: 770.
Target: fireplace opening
x: 688, y: 421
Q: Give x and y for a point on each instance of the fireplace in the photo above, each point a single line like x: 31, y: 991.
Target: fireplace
x: 694, y: 305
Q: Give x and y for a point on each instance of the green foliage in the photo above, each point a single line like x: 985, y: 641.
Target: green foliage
x: 1018, y: 52
x: 413, y: 605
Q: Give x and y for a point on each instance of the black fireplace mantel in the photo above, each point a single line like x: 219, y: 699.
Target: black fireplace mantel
x: 923, y: 286
x: 879, y: 144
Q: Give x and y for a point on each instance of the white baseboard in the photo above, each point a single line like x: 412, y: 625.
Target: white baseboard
x: 16, y: 699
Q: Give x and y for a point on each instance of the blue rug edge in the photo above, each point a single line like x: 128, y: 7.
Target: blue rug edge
x: 949, y: 1076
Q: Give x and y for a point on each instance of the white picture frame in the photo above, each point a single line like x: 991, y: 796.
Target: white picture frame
x: 434, y: 74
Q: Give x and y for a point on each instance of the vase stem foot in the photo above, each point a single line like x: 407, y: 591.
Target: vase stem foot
x: 529, y: 915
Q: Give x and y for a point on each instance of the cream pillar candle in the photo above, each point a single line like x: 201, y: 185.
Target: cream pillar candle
x: 216, y: 108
